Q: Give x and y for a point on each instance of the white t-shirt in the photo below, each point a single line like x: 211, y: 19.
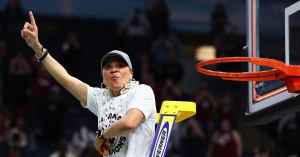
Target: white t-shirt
x: 109, y: 109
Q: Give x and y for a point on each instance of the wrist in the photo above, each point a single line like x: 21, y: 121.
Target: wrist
x: 43, y: 54
x: 99, y: 134
x: 105, y: 136
x: 38, y: 49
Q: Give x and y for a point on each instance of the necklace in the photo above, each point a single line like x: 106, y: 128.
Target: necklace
x: 111, y: 108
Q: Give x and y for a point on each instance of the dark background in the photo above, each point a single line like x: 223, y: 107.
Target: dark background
x: 38, y: 117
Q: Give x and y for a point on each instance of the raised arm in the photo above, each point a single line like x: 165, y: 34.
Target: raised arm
x: 76, y: 87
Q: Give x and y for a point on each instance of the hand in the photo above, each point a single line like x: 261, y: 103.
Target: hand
x: 30, y: 34
x: 102, y: 146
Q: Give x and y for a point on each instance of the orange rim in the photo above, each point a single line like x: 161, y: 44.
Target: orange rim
x: 274, y: 74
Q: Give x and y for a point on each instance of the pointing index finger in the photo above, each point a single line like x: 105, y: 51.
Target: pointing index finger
x: 32, y: 20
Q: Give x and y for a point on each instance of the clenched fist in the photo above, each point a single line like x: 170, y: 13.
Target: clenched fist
x: 102, y: 146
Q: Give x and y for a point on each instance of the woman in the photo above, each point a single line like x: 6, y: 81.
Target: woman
x: 225, y: 141
x: 125, y: 109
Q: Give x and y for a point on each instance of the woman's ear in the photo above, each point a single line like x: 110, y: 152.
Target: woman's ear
x: 131, y: 73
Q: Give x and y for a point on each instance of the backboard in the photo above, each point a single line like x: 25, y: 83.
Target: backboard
x: 273, y: 31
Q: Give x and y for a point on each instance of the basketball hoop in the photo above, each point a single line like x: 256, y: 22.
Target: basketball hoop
x: 288, y: 73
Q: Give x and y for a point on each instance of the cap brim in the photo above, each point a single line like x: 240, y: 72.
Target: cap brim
x: 112, y: 55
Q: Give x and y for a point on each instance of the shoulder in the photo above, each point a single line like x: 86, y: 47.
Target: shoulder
x: 144, y: 88
x: 235, y: 133
x: 143, y: 91
x: 96, y: 91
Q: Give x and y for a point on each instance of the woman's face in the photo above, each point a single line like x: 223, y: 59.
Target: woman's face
x: 115, y: 73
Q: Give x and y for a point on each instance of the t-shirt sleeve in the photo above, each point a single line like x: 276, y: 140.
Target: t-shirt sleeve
x: 91, y: 103
x: 143, y: 99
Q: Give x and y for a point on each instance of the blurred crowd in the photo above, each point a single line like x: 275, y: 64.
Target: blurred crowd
x: 38, y: 118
